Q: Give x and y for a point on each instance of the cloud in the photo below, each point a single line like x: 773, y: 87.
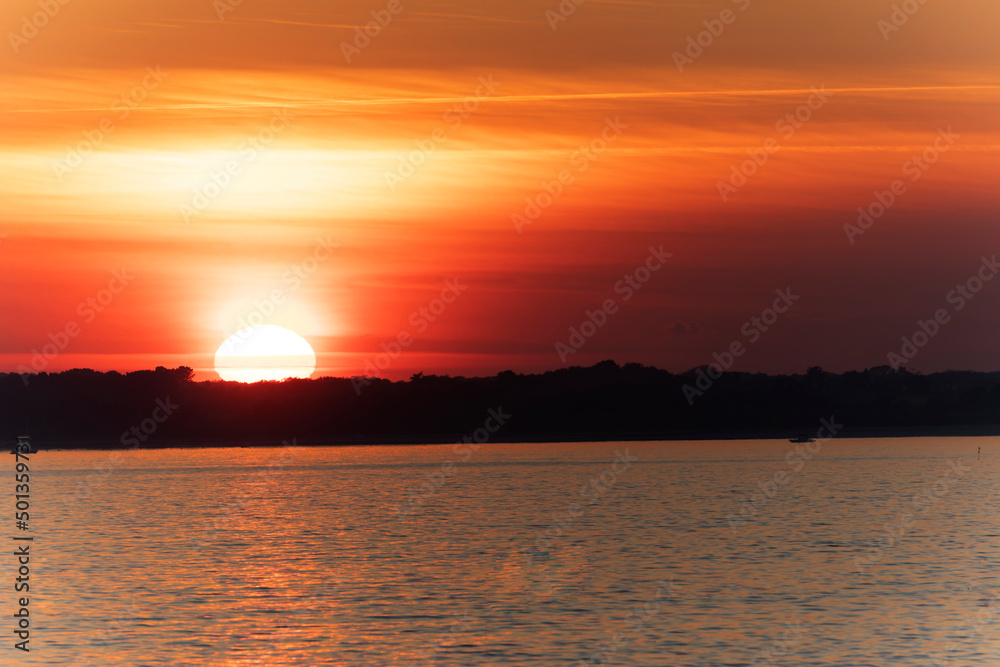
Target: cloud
x: 679, y: 328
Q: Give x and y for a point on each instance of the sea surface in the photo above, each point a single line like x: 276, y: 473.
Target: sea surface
x: 714, y: 553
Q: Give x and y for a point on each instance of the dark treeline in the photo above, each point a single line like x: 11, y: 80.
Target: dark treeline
x: 605, y: 401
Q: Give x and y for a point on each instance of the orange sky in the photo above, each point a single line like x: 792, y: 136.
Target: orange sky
x: 309, y: 149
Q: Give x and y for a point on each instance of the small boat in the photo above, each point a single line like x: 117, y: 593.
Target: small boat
x: 802, y: 438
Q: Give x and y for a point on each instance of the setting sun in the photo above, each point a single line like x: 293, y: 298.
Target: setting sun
x: 264, y: 352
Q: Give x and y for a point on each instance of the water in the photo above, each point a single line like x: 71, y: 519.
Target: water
x: 193, y: 557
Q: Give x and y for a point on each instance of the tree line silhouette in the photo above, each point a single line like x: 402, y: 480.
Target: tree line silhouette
x: 86, y: 408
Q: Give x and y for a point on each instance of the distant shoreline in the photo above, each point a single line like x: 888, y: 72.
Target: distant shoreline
x: 403, y: 441
x: 84, y: 409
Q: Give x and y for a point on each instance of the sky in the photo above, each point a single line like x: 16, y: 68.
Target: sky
x: 467, y: 184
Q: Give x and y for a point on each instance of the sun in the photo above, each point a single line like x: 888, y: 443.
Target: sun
x: 264, y: 352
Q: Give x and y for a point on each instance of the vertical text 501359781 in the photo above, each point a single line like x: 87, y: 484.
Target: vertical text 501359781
x: 22, y: 503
